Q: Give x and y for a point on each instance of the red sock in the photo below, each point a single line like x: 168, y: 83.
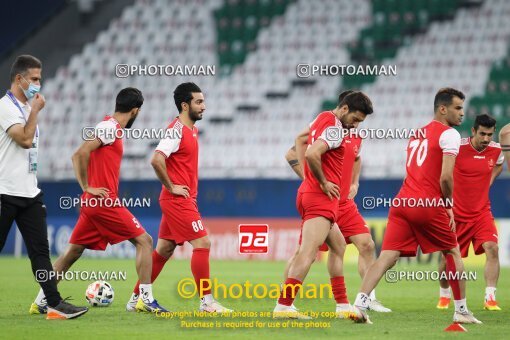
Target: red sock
x: 338, y: 288
x: 158, y: 262
x: 200, y: 268
x: 451, y: 271
x: 289, y: 291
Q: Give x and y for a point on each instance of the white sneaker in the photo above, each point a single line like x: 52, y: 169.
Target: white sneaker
x: 377, y: 306
x: 360, y: 316
x: 344, y: 311
x: 288, y: 312
x: 131, y: 305
x: 213, y: 307
x: 465, y: 317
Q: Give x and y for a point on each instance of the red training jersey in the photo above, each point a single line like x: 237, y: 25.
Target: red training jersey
x: 352, y: 151
x: 472, y: 177
x: 103, y: 170
x: 180, y: 148
x: 328, y: 129
x: 425, y: 159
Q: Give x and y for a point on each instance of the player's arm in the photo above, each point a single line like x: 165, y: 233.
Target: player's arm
x: 291, y: 157
x: 449, y: 142
x: 301, y: 144
x: 23, y: 135
x: 446, y: 183
x: 81, y: 160
x: 356, y: 170
x: 165, y: 148
x: 158, y: 162
x: 296, y: 154
x: 313, y: 157
x: 496, y: 171
x: 504, y: 140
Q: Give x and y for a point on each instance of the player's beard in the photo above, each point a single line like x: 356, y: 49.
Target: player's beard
x: 345, y: 125
x: 195, y: 115
x: 130, y: 122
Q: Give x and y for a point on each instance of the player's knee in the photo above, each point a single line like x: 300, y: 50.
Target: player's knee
x: 144, y: 241
x: 203, y: 242
x: 289, y: 262
x: 148, y: 240
x: 367, y: 248
x: 74, y: 252
x: 390, y: 259
x: 306, y: 256
x: 491, y: 249
x: 338, y: 249
x: 451, y: 252
x: 337, y: 246
x: 165, y: 251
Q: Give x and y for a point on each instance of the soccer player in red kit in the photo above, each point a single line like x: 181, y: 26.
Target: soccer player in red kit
x: 349, y: 220
x: 175, y: 162
x: 479, y: 162
x: 318, y: 198
x: 102, y: 219
x: 430, y: 163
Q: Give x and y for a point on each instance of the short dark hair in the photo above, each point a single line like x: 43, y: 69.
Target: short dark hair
x: 128, y: 99
x: 183, y: 93
x: 357, y: 101
x: 445, y: 96
x: 22, y: 63
x: 342, y: 95
x: 484, y: 120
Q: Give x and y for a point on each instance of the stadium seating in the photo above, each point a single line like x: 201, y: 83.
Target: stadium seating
x: 237, y: 25
x: 256, y: 108
x: 149, y: 32
x: 496, y: 99
x: 456, y: 53
x: 394, y: 24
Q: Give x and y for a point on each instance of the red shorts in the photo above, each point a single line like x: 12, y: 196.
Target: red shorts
x: 181, y: 220
x: 98, y: 226
x: 478, y: 231
x: 426, y: 227
x: 316, y: 204
x: 350, y: 221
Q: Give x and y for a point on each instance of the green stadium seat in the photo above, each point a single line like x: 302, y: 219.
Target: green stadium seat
x: 496, y: 100
x: 238, y: 23
x: 394, y: 21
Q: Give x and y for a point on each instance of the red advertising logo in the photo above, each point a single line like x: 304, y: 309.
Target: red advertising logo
x: 253, y: 238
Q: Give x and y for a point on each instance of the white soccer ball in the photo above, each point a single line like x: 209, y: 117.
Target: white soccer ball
x: 99, y: 294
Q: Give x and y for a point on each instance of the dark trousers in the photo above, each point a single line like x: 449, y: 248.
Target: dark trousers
x: 30, y: 216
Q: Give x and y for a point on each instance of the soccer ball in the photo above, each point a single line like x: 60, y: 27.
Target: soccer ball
x: 99, y: 294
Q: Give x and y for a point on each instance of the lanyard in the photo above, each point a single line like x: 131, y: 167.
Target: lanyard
x: 15, y: 101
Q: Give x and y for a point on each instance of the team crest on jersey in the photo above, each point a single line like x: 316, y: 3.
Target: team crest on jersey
x: 491, y: 163
x: 355, y: 149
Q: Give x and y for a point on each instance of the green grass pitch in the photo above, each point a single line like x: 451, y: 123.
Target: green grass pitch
x: 414, y: 314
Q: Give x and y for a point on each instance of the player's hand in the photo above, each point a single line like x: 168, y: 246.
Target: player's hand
x: 331, y: 189
x: 453, y: 226
x: 353, y: 191
x: 38, y: 102
x: 101, y: 192
x: 179, y: 190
